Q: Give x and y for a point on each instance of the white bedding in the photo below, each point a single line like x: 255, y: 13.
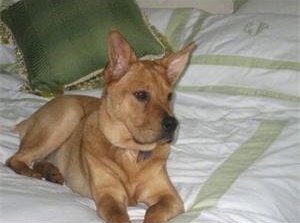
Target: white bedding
x: 237, y: 156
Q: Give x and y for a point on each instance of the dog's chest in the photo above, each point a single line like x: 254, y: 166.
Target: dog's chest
x: 132, y: 163
x: 134, y: 168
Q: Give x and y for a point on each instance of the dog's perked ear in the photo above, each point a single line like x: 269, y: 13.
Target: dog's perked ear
x: 120, y: 56
x: 176, y: 62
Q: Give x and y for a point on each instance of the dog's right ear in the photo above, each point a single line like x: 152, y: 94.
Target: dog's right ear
x: 176, y: 62
x: 120, y: 57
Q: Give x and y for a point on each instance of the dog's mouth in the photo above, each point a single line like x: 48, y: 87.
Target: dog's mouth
x: 163, y: 135
x: 162, y: 139
x: 166, y: 139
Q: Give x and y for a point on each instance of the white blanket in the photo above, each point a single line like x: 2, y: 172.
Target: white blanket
x: 236, y: 158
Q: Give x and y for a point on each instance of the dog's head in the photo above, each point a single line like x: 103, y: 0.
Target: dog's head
x: 139, y: 92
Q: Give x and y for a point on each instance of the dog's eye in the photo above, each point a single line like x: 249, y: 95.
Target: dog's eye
x: 142, y: 96
x: 170, y: 97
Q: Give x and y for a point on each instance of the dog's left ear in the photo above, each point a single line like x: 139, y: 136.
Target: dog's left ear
x: 120, y: 56
x: 176, y: 62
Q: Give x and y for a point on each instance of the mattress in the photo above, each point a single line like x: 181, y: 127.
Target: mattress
x: 236, y: 157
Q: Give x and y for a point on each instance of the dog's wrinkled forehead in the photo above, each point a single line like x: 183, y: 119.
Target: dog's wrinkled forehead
x: 149, y: 76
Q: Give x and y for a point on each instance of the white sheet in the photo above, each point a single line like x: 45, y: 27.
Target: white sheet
x: 213, y: 127
x: 236, y: 159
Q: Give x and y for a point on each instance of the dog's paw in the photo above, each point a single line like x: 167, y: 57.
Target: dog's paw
x: 30, y: 173
x: 49, y: 172
x: 54, y: 176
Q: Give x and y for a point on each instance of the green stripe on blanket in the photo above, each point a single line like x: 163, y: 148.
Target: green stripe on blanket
x: 237, y: 4
x: 242, y: 61
x: 246, y: 91
x: 196, y: 27
x: 229, y: 171
x: 11, y: 67
x: 176, y: 26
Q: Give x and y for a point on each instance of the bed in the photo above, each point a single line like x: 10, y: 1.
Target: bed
x: 237, y: 154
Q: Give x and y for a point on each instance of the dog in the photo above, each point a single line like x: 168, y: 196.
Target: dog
x: 112, y: 149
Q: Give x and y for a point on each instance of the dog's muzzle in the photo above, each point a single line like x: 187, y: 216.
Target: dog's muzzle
x: 168, y: 126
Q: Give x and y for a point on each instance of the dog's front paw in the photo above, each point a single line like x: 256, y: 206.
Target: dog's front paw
x: 49, y: 172
x: 54, y: 176
x: 30, y: 173
x: 119, y: 219
x: 155, y: 214
x: 165, y: 209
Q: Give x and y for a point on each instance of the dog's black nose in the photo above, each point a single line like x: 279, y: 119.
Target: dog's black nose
x: 169, y: 124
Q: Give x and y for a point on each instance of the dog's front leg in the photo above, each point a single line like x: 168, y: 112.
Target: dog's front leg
x: 167, y: 207
x: 162, y: 198
x: 107, y: 191
x: 111, y: 210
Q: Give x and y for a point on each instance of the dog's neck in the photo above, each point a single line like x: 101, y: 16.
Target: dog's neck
x: 117, y: 133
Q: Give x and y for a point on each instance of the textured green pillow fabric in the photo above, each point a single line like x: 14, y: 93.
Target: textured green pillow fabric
x: 64, y: 40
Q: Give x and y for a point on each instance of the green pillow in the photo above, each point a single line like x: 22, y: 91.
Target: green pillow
x: 65, y: 40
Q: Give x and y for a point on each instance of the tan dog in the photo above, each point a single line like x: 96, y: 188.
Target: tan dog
x: 112, y: 149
